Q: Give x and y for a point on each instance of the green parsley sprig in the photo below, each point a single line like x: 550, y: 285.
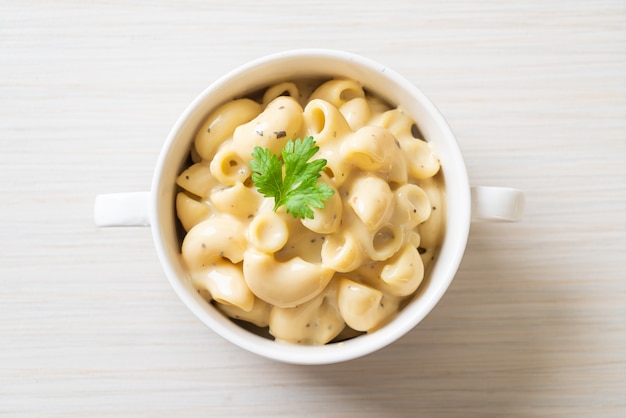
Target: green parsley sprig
x: 296, y: 185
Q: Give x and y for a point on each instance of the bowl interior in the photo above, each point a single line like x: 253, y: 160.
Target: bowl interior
x: 299, y: 64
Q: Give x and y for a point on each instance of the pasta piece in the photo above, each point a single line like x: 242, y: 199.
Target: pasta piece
x: 338, y: 92
x: 284, y: 283
x: 414, y: 239
x: 377, y: 105
x: 286, y: 88
x: 220, y: 125
x: 396, y: 121
x: 197, y: 179
x: 363, y: 307
x: 228, y: 167
x: 190, y: 212
x: 414, y: 152
x: 421, y: 161
x: 385, y: 242
x: 324, y: 122
x: 400, y: 275
x: 328, y: 219
x: 371, y: 199
x: 315, y: 322
x: 280, y: 121
x: 225, y: 283
x: 432, y: 229
x: 404, y: 272
x: 258, y: 315
x: 268, y: 232
x: 373, y: 148
x: 412, y: 206
x: 398, y: 173
x: 342, y: 251
x: 356, y: 112
x: 370, y: 148
x: 206, y: 251
x: 212, y: 240
x: 337, y: 168
x: 237, y: 200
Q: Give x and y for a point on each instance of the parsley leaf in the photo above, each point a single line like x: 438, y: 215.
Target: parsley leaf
x: 292, y: 182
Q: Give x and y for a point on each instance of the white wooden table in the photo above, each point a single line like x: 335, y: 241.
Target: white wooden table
x: 534, y: 324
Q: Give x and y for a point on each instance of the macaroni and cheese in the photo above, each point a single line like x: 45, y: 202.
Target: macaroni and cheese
x: 362, y: 256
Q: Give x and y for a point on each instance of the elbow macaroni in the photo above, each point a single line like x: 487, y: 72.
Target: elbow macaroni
x: 350, y: 268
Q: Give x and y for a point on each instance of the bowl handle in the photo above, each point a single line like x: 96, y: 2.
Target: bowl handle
x: 497, y: 204
x: 122, y: 209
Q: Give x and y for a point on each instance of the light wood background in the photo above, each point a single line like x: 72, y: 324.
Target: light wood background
x: 534, y: 324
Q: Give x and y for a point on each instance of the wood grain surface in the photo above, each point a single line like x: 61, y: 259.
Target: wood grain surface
x: 534, y: 324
